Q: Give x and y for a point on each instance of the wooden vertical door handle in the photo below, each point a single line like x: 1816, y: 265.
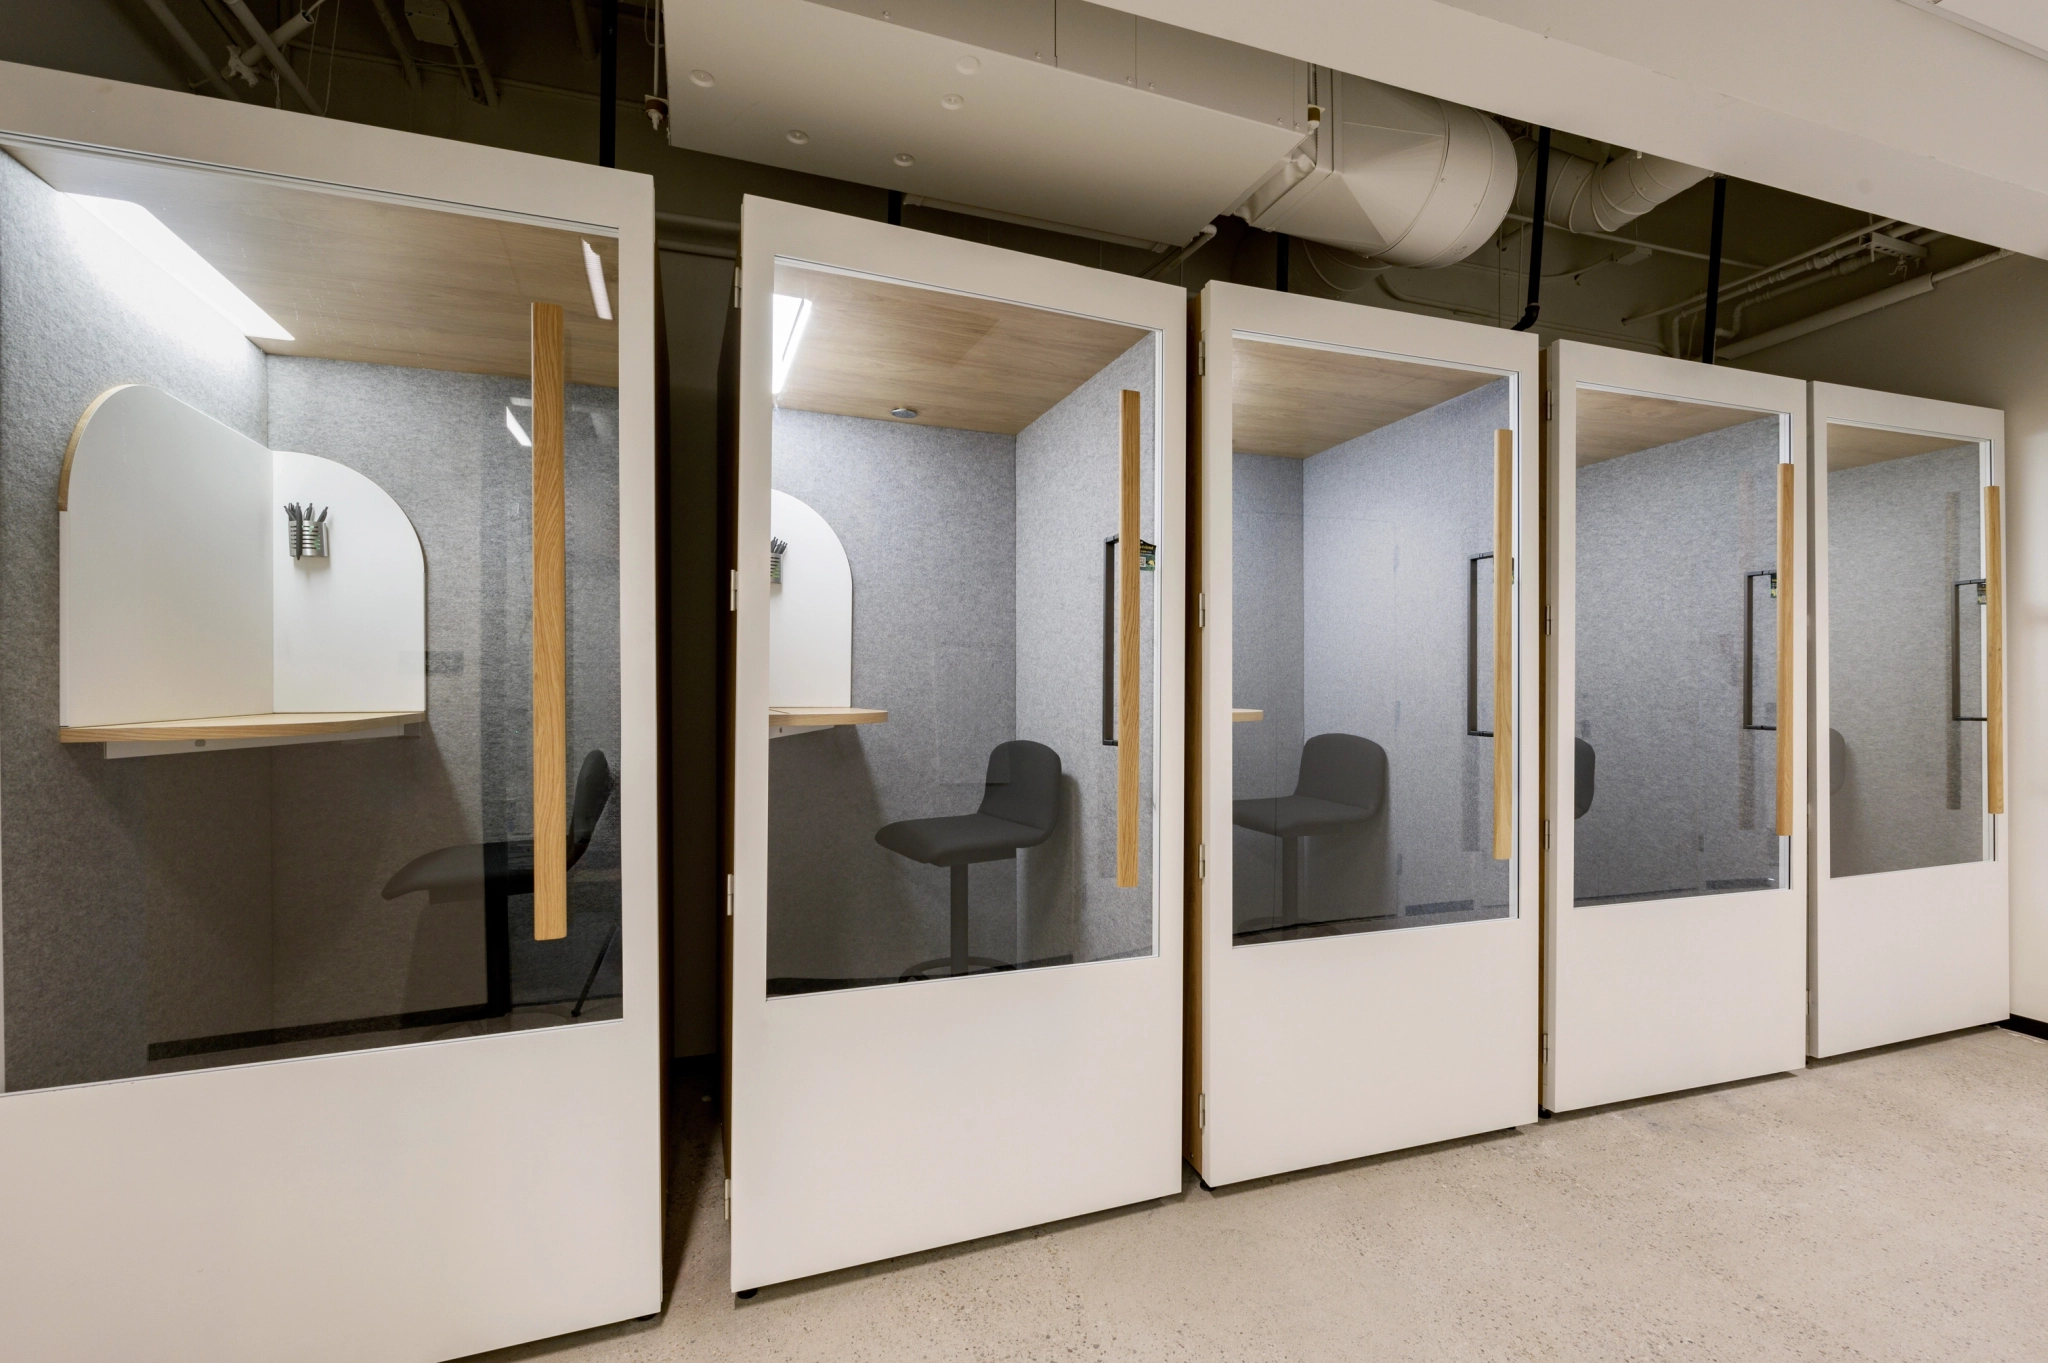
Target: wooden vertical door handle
x: 1503, y: 645
x: 1786, y: 661
x: 1994, y: 652
x: 1129, y: 742
x: 550, y: 670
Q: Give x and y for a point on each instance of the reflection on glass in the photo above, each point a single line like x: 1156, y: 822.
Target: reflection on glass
x: 1677, y: 661
x: 1362, y: 643
x: 961, y: 655
x: 1905, y: 651
x: 183, y: 904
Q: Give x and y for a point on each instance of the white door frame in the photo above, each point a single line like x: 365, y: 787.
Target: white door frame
x: 1293, y: 1066
x: 1899, y: 954
x: 1656, y: 996
x: 415, y: 1202
x: 868, y: 1123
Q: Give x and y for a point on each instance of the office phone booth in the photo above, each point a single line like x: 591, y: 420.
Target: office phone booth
x: 327, y: 760
x: 1363, y: 918
x: 957, y: 748
x: 1910, y: 910
x: 1675, y: 942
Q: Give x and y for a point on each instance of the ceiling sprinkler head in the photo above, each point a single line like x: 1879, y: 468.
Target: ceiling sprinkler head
x: 798, y: 136
x: 904, y: 158
x: 952, y: 102
x: 903, y: 413
x: 702, y: 79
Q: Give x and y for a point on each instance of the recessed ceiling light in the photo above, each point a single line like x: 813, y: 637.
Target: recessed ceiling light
x: 792, y: 315
x: 167, y: 250
x: 798, y: 136
x: 951, y: 102
x: 518, y: 431
x: 967, y: 66
x: 703, y: 79
x: 905, y: 413
x: 904, y: 158
x: 594, y: 269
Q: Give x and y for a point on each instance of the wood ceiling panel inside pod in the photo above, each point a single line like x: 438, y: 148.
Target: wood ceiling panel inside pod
x: 355, y: 278
x: 1851, y: 447
x: 1295, y: 401
x: 975, y: 364
x: 1611, y: 425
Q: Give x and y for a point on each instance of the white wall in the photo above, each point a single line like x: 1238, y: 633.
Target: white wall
x: 1982, y: 338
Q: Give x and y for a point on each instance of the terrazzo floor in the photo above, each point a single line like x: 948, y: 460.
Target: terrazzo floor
x: 1887, y: 1206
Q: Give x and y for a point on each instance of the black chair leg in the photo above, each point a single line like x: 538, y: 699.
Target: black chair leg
x: 497, y: 935
x: 1290, y: 881
x: 960, y: 964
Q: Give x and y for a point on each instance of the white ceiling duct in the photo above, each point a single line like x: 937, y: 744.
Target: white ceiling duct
x: 1401, y: 177
x: 1586, y: 196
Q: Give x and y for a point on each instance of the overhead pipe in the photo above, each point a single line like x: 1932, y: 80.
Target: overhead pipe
x: 1586, y: 197
x: 184, y: 39
x: 608, y: 83
x: 1538, y: 216
x: 483, y: 68
x: 1714, y: 269
x: 243, y: 63
x: 1771, y: 274
x: 1869, y: 303
x: 398, y: 43
x: 284, y: 69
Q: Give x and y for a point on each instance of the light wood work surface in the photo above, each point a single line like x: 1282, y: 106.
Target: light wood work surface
x: 820, y: 716
x: 287, y: 725
x: 1851, y: 447
x: 1297, y: 400
x: 1503, y: 644
x: 1788, y: 574
x: 1614, y: 424
x: 1239, y: 715
x: 1994, y: 651
x: 355, y: 278
x: 550, y: 652
x: 1129, y: 677
x: 973, y: 364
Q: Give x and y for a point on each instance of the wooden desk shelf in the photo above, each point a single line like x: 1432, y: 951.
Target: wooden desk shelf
x: 1243, y: 716
x: 822, y: 716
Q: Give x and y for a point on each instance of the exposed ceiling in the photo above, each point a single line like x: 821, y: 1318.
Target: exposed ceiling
x: 1296, y: 401
x: 1611, y: 425
x: 969, y: 363
x: 1851, y: 447
x: 364, y: 279
x: 1072, y: 115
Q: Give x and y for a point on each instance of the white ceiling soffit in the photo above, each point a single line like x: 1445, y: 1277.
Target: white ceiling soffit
x: 2022, y: 23
x: 1869, y: 103
x: 1048, y: 110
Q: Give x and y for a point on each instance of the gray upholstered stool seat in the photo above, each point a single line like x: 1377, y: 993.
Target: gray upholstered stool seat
x: 1343, y: 784
x: 1020, y: 804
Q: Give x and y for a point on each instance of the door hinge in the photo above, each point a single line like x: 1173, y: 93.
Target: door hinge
x: 1201, y: 861
x: 1201, y: 359
x: 1544, y: 1050
x: 728, y: 896
x: 1549, y: 404
x: 1546, y: 622
x: 1201, y: 610
x: 733, y: 599
x: 1546, y: 835
x: 728, y: 1199
x: 1201, y: 1112
x: 735, y: 283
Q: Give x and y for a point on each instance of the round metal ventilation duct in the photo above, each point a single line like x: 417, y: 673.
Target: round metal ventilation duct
x: 1586, y: 196
x: 1404, y: 178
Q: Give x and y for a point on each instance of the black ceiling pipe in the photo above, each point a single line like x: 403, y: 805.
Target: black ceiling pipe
x: 608, y: 84
x: 1713, y: 319
x: 1280, y: 262
x: 1541, y: 206
x: 895, y: 208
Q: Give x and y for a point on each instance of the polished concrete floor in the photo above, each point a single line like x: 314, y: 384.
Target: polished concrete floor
x: 1888, y: 1206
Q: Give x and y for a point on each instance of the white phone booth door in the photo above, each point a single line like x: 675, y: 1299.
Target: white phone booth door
x: 1366, y: 913
x: 955, y: 1000
x: 1675, y: 942
x: 1910, y: 911
x: 332, y: 1024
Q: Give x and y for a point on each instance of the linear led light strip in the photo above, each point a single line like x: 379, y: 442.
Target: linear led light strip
x: 165, y: 249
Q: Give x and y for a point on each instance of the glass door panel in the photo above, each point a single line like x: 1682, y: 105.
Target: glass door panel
x: 962, y: 636
x: 1906, y: 635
